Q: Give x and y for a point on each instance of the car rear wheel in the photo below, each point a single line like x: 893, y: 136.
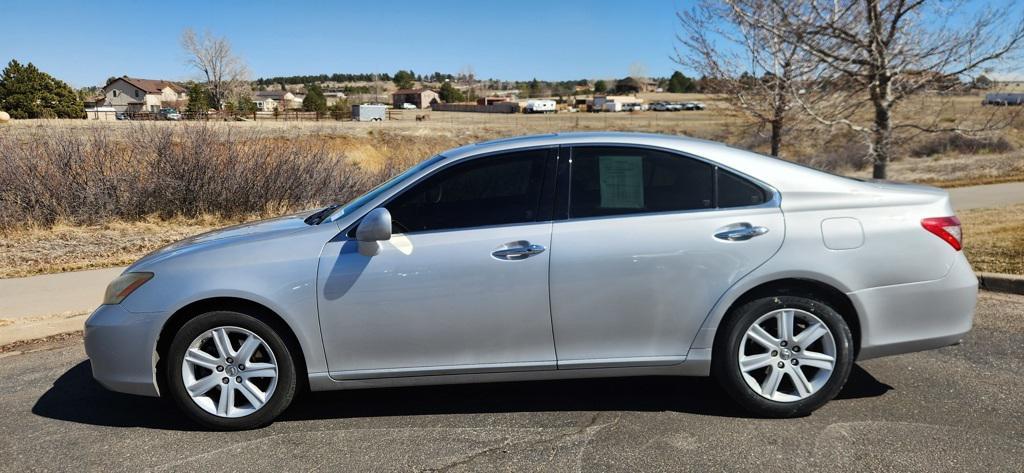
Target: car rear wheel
x: 783, y: 356
x: 230, y: 371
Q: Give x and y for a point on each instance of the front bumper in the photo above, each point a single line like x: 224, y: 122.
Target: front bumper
x: 121, y: 346
x: 905, y: 318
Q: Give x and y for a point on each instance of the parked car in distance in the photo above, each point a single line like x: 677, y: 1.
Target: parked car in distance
x: 409, y: 106
x: 659, y: 107
x: 693, y: 106
x: 633, y: 254
x: 169, y: 114
x: 122, y: 116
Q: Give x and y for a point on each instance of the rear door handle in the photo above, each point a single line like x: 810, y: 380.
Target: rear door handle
x: 740, y: 232
x: 517, y: 250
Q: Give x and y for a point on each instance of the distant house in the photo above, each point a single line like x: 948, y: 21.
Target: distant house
x: 491, y: 100
x: 421, y: 98
x: 128, y: 94
x: 280, y: 100
x: 333, y: 97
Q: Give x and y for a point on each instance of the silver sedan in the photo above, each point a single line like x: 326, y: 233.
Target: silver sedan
x: 544, y: 257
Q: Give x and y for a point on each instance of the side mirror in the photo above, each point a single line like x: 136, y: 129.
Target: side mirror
x: 374, y: 228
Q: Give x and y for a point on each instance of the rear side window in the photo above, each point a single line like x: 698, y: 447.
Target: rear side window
x: 735, y: 191
x: 494, y: 190
x: 624, y: 180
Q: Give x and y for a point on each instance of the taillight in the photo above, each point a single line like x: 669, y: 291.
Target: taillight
x: 947, y: 228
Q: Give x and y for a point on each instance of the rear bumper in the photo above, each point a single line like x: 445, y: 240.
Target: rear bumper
x: 905, y: 318
x: 121, y: 346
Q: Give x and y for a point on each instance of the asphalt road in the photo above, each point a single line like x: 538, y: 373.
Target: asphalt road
x: 959, y: 408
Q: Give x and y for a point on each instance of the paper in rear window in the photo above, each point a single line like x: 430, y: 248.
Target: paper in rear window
x: 622, y: 182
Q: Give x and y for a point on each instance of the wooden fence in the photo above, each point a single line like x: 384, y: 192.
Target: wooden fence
x: 506, y: 107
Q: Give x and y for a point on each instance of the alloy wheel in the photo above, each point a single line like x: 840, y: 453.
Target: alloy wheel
x: 229, y: 372
x: 787, y: 355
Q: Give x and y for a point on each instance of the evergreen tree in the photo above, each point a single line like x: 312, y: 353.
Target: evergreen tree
x: 679, y: 83
x: 27, y: 92
x: 315, y: 100
x: 449, y: 93
x: 403, y: 79
x: 245, y: 105
x: 600, y: 87
x: 534, y: 88
x: 198, y: 101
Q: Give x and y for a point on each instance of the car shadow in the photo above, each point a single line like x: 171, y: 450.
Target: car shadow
x: 76, y: 397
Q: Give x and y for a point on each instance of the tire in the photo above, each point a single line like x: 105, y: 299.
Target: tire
x: 796, y: 380
x: 246, y: 379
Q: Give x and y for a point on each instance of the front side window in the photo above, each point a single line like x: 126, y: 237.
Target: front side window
x: 625, y: 180
x: 494, y: 190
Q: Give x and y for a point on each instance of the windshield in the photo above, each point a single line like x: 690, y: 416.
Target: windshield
x: 377, y: 191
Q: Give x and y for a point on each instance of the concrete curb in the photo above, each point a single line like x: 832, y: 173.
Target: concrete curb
x: 996, y: 282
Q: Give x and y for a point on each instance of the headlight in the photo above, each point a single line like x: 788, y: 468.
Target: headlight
x: 123, y: 286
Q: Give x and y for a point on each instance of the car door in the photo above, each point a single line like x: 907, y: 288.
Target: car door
x: 652, y: 240
x: 461, y: 287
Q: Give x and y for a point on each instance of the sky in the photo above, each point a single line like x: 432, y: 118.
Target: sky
x: 84, y: 43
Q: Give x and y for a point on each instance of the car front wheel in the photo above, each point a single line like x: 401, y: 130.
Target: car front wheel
x: 230, y: 371
x: 783, y: 356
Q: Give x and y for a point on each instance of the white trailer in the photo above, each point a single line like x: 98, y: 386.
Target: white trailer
x: 612, y: 106
x: 369, y: 113
x: 540, y: 106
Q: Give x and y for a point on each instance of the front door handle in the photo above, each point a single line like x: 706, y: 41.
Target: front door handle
x: 517, y: 250
x: 741, y: 232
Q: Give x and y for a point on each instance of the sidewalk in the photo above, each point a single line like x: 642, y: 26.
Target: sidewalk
x: 987, y: 196
x: 59, y: 293
x: 48, y: 304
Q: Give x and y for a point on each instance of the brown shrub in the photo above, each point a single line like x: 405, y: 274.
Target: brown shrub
x: 94, y: 175
x: 961, y: 144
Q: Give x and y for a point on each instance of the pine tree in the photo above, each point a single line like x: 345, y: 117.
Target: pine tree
x: 449, y: 93
x: 198, y: 102
x: 403, y: 79
x: 679, y: 83
x: 27, y: 92
x: 315, y: 100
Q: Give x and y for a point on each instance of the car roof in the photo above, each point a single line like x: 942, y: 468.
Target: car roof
x: 553, y: 139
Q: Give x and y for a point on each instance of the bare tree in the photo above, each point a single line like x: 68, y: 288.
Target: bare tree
x: 757, y: 72
x: 225, y: 73
x: 875, y: 54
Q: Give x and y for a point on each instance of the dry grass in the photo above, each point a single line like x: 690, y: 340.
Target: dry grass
x: 951, y: 170
x: 994, y: 239
x: 71, y: 248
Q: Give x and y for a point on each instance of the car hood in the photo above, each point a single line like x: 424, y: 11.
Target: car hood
x: 237, y: 234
